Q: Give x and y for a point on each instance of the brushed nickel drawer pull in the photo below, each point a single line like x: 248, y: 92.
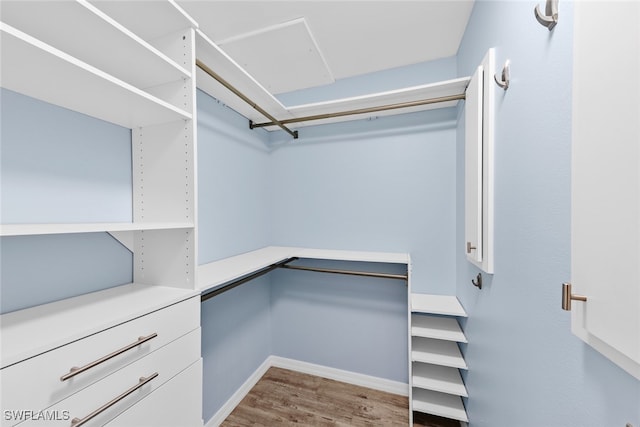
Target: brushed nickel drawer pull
x: 76, y: 422
x: 75, y: 370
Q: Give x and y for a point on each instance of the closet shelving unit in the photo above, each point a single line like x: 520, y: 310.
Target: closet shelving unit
x: 76, y: 56
x: 87, y: 61
x: 435, y: 359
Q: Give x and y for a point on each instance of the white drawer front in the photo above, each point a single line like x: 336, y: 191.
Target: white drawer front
x: 163, y: 407
x: 167, y: 362
x: 35, y: 383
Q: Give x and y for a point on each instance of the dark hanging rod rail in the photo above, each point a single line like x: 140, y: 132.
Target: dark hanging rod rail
x: 347, y: 272
x: 244, y: 279
x: 284, y: 264
x: 396, y: 106
x: 223, y: 82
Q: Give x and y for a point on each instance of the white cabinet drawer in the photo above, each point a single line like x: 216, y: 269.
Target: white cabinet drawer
x: 166, y: 362
x: 163, y: 408
x: 35, y: 383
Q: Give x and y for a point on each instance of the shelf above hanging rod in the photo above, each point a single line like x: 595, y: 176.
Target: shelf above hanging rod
x: 367, y: 110
x: 285, y: 264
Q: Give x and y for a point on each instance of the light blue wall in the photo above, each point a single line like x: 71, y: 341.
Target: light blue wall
x: 233, y: 198
x: 526, y: 369
x: 383, y: 185
x: 345, y: 322
x: 233, y: 185
x: 236, y: 340
x: 60, y: 166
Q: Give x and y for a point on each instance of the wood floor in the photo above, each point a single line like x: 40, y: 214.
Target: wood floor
x: 287, y: 398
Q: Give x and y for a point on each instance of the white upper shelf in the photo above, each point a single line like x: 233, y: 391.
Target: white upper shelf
x: 35, y: 69
x: 39, y: 229
x: 88, y: 34
x: 215, y: 274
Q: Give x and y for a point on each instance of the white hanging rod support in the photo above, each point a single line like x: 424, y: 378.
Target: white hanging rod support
x: 347, y: 272
x: 407, y: 104
x: 242, y: 96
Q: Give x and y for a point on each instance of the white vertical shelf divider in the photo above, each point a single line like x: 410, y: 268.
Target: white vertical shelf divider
x: 436, y: 386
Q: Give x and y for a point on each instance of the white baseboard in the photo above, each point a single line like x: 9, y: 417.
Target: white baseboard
x: 240, y: 393
x: 394, y: 387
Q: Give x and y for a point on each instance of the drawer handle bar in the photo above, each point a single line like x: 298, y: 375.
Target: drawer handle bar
x: 75, y: 370
x: 76, y: 422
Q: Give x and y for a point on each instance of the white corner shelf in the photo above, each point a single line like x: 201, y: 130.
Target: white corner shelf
x: 442, y: 328
x: 437, y: 304
x: 436, y: 384
x: 441, y: 404
x: 27, y: 333
x: 438, y: 378
x: 217, y: 273
x: 104, y: 44
x: 437, y: 352
x: 38, y: 70
x: 39, y: 229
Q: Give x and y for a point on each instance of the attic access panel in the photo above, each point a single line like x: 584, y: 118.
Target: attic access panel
x: 282, y: 58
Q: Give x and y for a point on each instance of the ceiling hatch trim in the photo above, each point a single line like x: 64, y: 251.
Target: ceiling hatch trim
x: 266, y: 54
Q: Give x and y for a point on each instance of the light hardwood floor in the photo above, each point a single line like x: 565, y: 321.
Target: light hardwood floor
x: 285, y: 398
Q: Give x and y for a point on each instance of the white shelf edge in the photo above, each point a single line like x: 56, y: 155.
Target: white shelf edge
x: 444, y: 328
x: 115, y: 306
x: 133, y: 104
x: 442, y: 404
x: 437, y: 304
x: 438, y: 378
x: 34, y: 18
x: 214, y: 274
x: 437, y: 352
x: 38, y: 229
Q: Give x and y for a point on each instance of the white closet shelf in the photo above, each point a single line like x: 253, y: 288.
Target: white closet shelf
x: 217, y: 273
x: 444, y: 405
x: 167, y: 16
x: 104, y: 43
x: 437, y: 304
x: 438, y: 378
x: 35, y: 229
x: 408, y: 94
x: 437, y: 352
x: 38, y: 70
x: 27, y: 333
x: 442, y: 328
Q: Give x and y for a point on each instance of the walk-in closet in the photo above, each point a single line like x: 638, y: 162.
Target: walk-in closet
x: 210, y: 208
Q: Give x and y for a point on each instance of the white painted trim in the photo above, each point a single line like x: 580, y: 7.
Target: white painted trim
x: 240, y: 393
x: 362, y: 380
x: 376, y: 383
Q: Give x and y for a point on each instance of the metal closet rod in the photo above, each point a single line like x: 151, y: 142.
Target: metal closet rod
x: 242, y: 96
x: 282, y: 123
x: 284, y: 264
x: 387, y: 107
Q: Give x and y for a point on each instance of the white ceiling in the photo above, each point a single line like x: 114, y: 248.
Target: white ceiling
x: 291, y: 45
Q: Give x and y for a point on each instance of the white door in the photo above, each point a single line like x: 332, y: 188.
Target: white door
x: 605, y: 212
